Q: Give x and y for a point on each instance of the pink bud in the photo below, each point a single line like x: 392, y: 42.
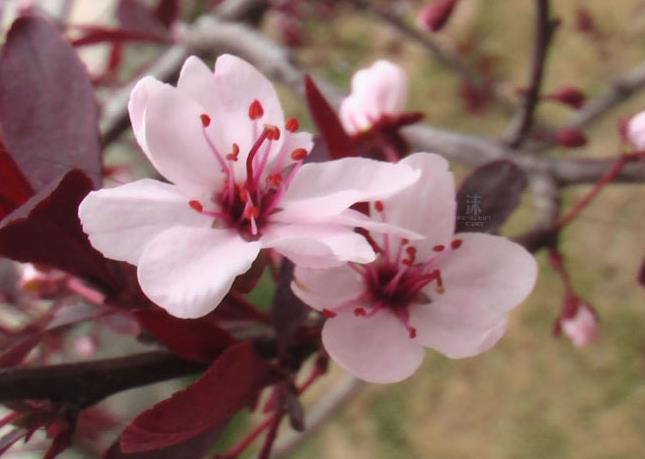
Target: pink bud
x: 582, y: 327
x: 636, y: 131
x: 435, y: 14
x: 573, y: 97
x: 570, y: 137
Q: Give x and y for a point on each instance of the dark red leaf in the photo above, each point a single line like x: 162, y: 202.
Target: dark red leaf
x: 194, y: 448
x: 168, y: 11
x: 230, y: 383
x: 14, y: 187
x: 46, y: 230
x: 94, y: 35
x: 194, y: 339
x: 488, y: 196
x: 289, y: 312
x: 134, y: 15
x: 641, y: 274
x: 47, y: 108
x: 338, y: 142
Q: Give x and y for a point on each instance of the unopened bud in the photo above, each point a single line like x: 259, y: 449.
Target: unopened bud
x: 570, y: 138
x: 635, y: 131
x: 584, y: 21
x: 582, y: 326
x: 573, y: 97
x: 435, y: 14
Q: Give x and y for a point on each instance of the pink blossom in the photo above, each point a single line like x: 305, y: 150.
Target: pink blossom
x: 636, y: 131
x: 582, y: 326
x: 237, y: 185
x: 450, y: 292
x: 377, y: 91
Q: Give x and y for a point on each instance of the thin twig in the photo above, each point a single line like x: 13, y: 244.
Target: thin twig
x: 544, y: 28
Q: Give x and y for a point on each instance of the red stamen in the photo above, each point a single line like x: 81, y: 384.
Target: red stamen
x: 256, y: 110
x: 328, y: 313
x: 412, y: 255
x: 405, y: 241
x: 370, y: 240
x: 360, y: 312
x: 206, y: 120
x: 244, y: 193
x: 275, y: 179
x: 292, y: 125
x: 378, y: 205
x: 412, y: 332
x: 298, y: 154
x: 196, y: 205
x: 233, y: 155
x: 273, y: 133
x: 251, y: 212
x: 456, y: 243
x: 438, y: 248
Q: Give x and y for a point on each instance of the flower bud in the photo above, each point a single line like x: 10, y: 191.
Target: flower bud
x: 573, y: 97
x: 636, y: 131
x: 435, y: 14
x: 570, y: 137
x: 582, y: 326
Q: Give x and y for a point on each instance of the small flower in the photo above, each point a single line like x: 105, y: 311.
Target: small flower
x: 238, y: 185
x: 448, y: 292
x: 377, y: 92
x: 636, y: 131
x: 580, y: 324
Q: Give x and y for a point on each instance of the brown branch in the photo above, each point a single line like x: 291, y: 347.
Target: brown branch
x: 446, y: 57
x: 544, y: 28
x: 87, y: 383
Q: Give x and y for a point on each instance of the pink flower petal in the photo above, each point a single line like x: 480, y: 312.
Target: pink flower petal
x: 376, y: 91
x: 317, y: 245
x: 376, y: 349
x: 428, y: 207
x: 484, y: 278
x: 326, y: 288
x: 187, y: 271
x: 326, y: 189
x: 636, y: 131
x: 444, y: 329
x: 120, y: 221
x: 175, y: 142
x: 237, y: 85
x: 197, y: 81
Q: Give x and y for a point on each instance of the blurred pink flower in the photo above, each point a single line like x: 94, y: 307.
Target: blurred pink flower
x: 582, y: 326
x: 448, y: 292
x: 636, y: 131
x: 377, y: 91
x: 238, y: 185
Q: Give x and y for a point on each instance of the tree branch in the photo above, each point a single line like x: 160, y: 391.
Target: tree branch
x: 87, y: 383
x: 544, y: 28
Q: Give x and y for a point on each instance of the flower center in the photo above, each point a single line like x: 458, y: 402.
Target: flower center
x: 396, y: 280
x: 246, y: 204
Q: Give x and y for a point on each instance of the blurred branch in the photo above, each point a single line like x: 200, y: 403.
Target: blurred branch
x: 86, y: 383
x: 448, y: 58
x: 544, y: 28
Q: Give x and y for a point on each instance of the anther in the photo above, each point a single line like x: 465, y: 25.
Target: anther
x: 360, y: 312
x: 440, y: 290
x: 234, y: 153
x: 412, y: 332
x: 251, y: 212
x: 206, y: 120
x: 328, y: 313
x: 298, y: 154
x: 196, y: 205
x: 274, y: 179
x: 273, y: 133
x: 256, y: 110
x: 438, y: 248
x: 456, y: 243
x: 378, y: 205
x: 292, y: 125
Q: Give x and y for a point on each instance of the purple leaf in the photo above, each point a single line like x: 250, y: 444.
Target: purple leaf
x: 14, y: 187
x: 47, y: 107
x: 46, y: 230
x: 339, y: 144
x: 488, y: 196
x: 230, y: 383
